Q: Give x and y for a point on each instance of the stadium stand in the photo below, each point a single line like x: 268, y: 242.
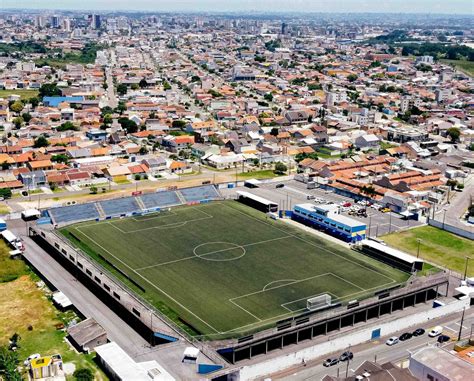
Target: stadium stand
x: 160, y: 199
x: 74, y: 213
x: 207, y: 192
x: 120, y: 206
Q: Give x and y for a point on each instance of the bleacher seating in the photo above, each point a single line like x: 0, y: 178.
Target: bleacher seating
x: 126, y: 205
x: 160, y: 199
x: 205, y: 192
x: 71, y: 213
x: 120, y: 206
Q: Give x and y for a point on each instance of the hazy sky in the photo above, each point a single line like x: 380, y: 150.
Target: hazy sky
x: 395, y: 6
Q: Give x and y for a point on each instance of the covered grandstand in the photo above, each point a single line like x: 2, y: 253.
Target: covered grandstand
x: 390, y: 255
x: 132, y: 205
x: 257, y: 202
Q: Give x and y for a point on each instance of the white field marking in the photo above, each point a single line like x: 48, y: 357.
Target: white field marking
x: 154, y: 215
x: 283, y: 285
x: 315, y: 245
x: 347, y: 281
x: 293, y: 312
x: 150, y: 283
x: 210, y: 253
x: 278, y: 281
x: 242, y: 308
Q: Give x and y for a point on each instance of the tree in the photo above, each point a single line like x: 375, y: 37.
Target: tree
x: 60, y: 158
x: 5, y: 193
x: 49, y: 90
x: 268, y: 97
x: 166, y: 86
x: 41, y: 141
x: 352, y: 77
x: 5, y: 166
x: 274, y: 131
x: 108, y: 119
x: 135, y: 86
x: 280, y: 168
x: 67, y: 126
x: 33, y: 102
x: 93, y: 190
x: 18, y: 122
x: 301, y: 156
x: 122, y: 89
x: 143, y: 83
x: 9, y: 364
x: 178, y: 124
x: 17, y: 106
x: 452, y: 183
x: 195, y: 78
x: 83, y: 374
x: 129, y: 125
x: 143, y: 150
x: 26, y: 117
x: 454, y: 133
x: 369, y: 191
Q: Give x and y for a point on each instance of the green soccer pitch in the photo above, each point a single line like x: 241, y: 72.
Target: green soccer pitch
x: 224, y: 270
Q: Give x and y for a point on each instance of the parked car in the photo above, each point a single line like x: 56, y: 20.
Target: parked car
x: 279, y: 185
x: 346, y: 204
x: 330, y: 362
x: 392, y: 341
x: 443, y: 338
x: 405, y: 336
x: 385, y: 210
x: 346, y: 356
x: 310, y: 197
x: 418, y: 332
x: 436, y: 331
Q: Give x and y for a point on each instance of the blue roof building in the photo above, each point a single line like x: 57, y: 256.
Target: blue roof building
x: 55, y: 101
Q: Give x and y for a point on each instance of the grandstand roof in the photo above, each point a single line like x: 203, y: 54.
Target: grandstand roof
x: 391, y: 251
x: 259, y: 199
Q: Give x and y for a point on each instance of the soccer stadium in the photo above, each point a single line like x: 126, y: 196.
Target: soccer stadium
x: 219, y: 269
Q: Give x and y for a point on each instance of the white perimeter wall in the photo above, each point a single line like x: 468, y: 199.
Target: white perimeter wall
x: 340, y: 343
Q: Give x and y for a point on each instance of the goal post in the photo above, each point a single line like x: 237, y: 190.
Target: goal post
x: 318, y: 302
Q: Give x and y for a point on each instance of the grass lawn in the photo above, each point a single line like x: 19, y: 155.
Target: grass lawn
x: 224, y: 270
x: 466, y: 67
x: 24, y: 94
x: 263, y: 174
x: 437, y: 246
x: 4, y: 209
x: 26, y: 309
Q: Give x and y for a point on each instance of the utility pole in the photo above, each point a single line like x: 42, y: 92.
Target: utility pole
x: 444, y: 217
x: 460, y: 325
x: 418, y: 250
x: 465, y: 269
x: 390, y: 222
x: 348, y: 361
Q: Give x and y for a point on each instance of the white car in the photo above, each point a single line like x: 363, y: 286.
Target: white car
x: 436, y: 331
x: 392, y: 341
x: 34, y: 356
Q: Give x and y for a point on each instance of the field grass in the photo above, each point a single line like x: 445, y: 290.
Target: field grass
x: 25, y: 309
x: 23, y: 93
x: 263, y: 174
x: 223, y: 269
x: 466, y: 67
x: 437, y: 246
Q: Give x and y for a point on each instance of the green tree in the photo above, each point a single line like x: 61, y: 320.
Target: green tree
x: 49, y: 90
x: 60, y: 158
x: 135, y: 86
x: 166, y: 86
x: 143, y: 83
x: 178, y: 124
x: 93, y: 190
x: 34, y: 102
x: 67, y: 126
x: 5, y: 193
x: 83, y: 374
x: 129, y: 125
x: 17, y: 106
x: 352, y: 77
x: 41, y: 141
x: 268, y: 97
x: 9, y: 364
x: 301, y: 156
x: 108, y: 119
x: 18, y: 122
x: 26, y: 117
x: 454, y: 133
x: 5, y: 166
x: 122, y: 89
x: 280, y: 168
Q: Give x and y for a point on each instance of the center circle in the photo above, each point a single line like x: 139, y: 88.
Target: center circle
x: 210, y: 251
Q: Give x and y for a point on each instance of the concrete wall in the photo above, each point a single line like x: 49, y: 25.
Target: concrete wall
x: 453, y: 229
x: 341, y: 343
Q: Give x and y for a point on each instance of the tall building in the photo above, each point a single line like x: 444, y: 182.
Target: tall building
x: 39, y: 21
x: 96, y: 21
x: 67, y: 25
x: 284, y: 28
x: 55, y: 22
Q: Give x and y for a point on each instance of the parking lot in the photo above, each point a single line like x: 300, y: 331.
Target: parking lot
x: 294, y: 192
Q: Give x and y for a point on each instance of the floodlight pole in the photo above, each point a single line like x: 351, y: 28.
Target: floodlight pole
x: 348, y: 361
x: 465, y: 269
x: 460, y: 325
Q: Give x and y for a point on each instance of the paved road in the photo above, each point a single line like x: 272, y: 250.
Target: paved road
x: 379, y: 351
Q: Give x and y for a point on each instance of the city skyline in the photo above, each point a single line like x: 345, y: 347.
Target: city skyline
x: 343, y: 6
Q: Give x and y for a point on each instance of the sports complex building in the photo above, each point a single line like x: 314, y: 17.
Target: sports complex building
x: 186, y: 264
